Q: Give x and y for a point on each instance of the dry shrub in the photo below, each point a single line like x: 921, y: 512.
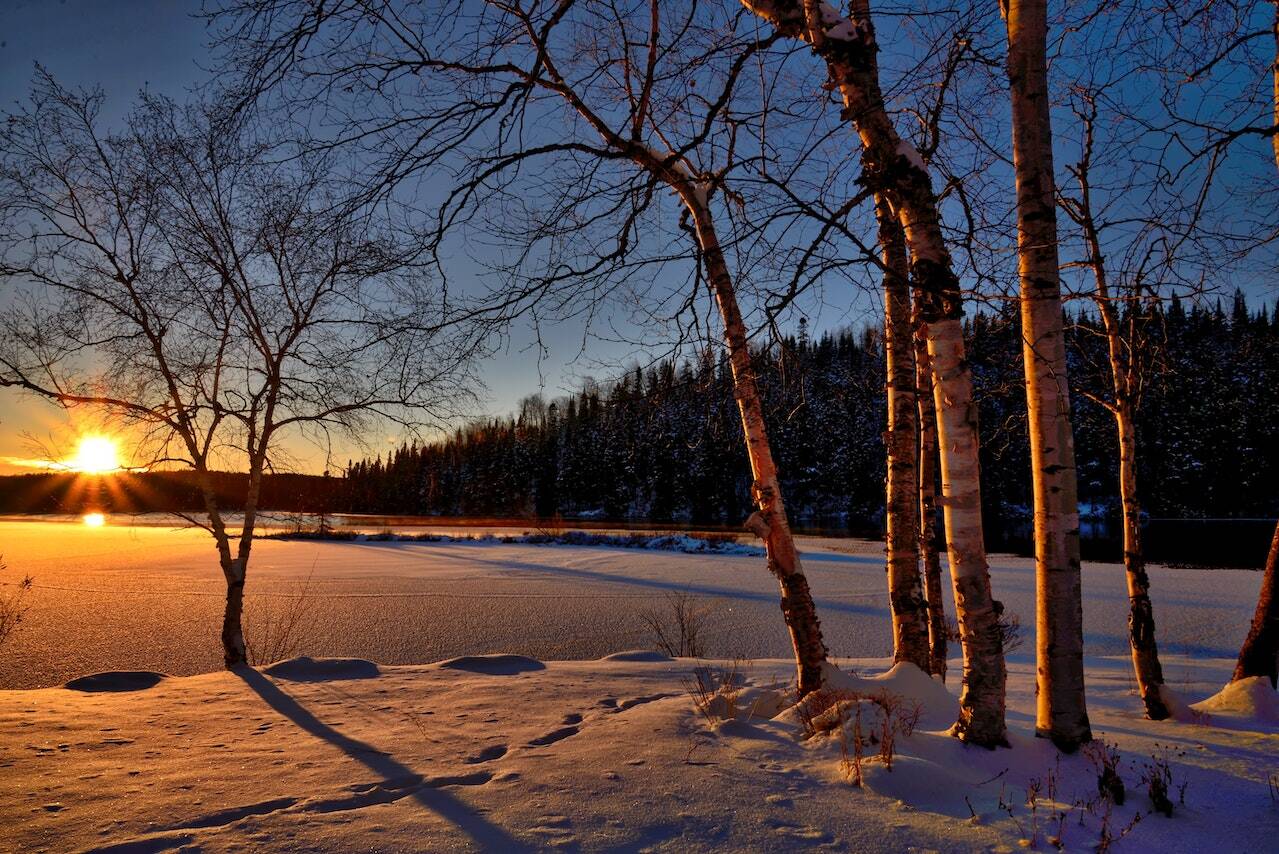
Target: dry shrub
x: 829, y: 710
x: 1104, y: 758
x: 678, y: 629
x: 273, y: 623
x: 715, y: 691
x: 1157, y: 776
x: 13, y: 604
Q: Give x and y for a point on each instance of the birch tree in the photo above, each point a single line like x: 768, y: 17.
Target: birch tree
x: 210, y: 305
x: 905, y: 591
x: 927, y: 472
x: 894, y: 167
x: 631, y: 102
x: 1060, y: 710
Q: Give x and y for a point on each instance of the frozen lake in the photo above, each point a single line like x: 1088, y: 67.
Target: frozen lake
x: 149, y: 597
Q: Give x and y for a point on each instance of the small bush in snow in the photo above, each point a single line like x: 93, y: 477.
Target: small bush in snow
x: 1105, y: 761
x: 1157, y: 776
x: 273, y: 624
x: 13, y: 605
x: 715, y: 691
x: 677, y: 629
x: 861, y: 720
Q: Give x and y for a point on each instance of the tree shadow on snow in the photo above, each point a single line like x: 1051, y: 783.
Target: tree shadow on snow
x: 680, y: 585
x: 427, y: 792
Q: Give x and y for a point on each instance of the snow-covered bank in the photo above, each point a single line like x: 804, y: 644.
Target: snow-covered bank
x: 510, y: 753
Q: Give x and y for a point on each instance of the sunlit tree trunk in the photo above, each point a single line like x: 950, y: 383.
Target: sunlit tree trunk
x: 1141, y: 614
x: 905, y: 592
x: 893, y: 167
x: 1061, y: 712
x: 1259, y: 655
x: 928, y: 504
x: 769, y: 522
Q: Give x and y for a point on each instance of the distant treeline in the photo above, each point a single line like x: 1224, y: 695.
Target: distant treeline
x: 146, y: 492
x: 664, y: 444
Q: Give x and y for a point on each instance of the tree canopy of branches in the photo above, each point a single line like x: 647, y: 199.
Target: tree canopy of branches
x: 214, y: 301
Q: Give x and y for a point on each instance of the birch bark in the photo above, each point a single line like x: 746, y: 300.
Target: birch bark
x: 1061, y: 710
x: 892, y: 166
x: 937, y: 641
x: 905, y: 591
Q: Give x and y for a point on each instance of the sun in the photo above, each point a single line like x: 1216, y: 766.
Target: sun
x: 94, y: 520
x: 96, y: 455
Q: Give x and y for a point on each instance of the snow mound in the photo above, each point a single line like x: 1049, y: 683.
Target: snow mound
x: 1251, y: 699
x: 493, y: 665
x: 938, y: 707
x: 306, y: 669
x: 116, y: 681
x: 637, y: 655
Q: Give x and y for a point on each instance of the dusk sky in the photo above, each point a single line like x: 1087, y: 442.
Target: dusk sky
x: 129, y: 45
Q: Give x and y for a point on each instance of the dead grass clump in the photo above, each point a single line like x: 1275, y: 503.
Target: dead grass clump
x: 273, y: 623
x: 13, y: 604
x: 678, y: 629
x: 862, y: 721
x: 715, y: 691
x: 1104, y: 758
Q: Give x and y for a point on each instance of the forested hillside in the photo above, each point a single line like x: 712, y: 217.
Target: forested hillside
x: 661, y: 444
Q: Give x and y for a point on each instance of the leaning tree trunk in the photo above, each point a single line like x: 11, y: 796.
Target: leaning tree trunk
x: 1141, y: 614
x: 769, y: 522
x: 905, y: 592
x: 928, y: 504
x: 1259, y: 655
x: 1061, y: 712
x: 893, y: 167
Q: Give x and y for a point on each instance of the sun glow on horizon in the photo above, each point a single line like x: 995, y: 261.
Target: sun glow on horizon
x: 95, y: 455
x: 94, y: 520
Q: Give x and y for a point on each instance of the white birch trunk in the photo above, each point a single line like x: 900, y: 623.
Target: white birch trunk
x: 905, y: 591
x: 1061, y: 711
x: 894, y: 168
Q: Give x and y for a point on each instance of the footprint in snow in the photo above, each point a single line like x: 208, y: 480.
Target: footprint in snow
x: 488, y: 754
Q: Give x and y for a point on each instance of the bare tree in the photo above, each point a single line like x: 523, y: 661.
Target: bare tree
x: 1061, y: 712
x: 1129, y: 356
x: 894, y: 167
x: 565, y: 123
x: 214, y: 303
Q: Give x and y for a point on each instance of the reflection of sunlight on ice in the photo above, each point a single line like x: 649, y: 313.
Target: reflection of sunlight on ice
x: 94, y: 520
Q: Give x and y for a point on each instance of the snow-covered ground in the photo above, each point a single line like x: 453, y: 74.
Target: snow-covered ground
x: 509, y: 753
x: 149, y: 597
x: 591, y: 752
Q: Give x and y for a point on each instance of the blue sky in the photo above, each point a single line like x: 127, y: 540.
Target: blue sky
x: 127, y: 45
x: 124, y: 46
